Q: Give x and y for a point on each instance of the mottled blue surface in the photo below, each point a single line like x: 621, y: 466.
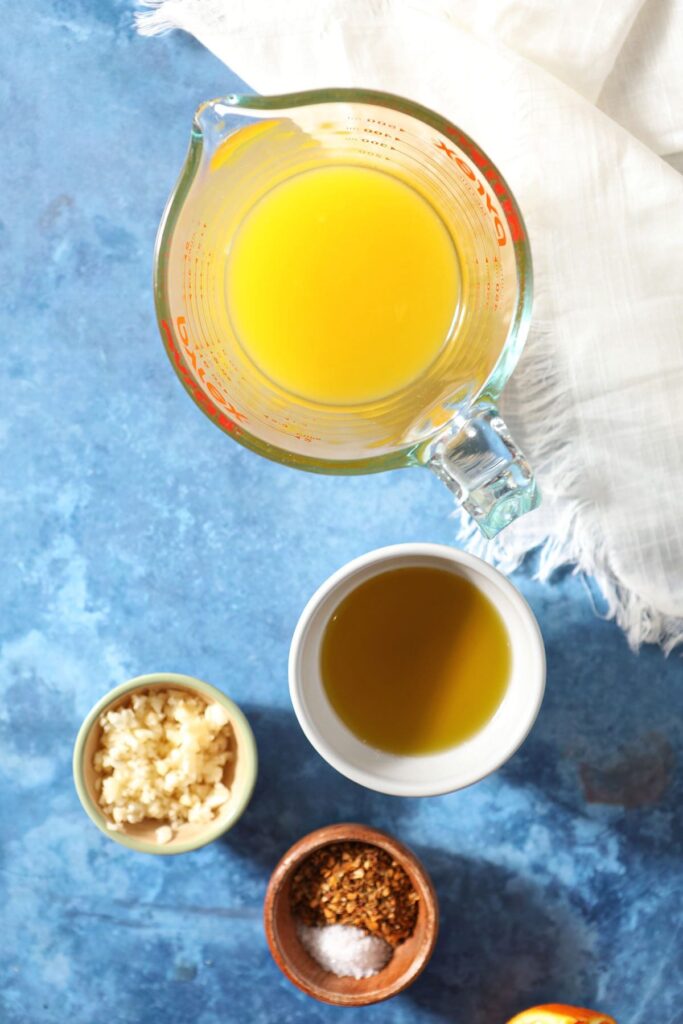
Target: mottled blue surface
x: 136, y: 538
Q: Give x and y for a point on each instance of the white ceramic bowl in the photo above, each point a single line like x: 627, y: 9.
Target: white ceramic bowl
x: 425, y: 775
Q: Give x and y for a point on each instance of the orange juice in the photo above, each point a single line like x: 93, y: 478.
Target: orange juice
x: 342, y: 285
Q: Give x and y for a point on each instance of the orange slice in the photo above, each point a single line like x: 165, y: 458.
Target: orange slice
x: 557, y: 1013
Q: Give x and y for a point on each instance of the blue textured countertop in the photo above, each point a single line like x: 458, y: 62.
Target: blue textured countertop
x: 136, y: 537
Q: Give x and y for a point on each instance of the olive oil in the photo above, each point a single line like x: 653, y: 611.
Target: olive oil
x: 415, y: 660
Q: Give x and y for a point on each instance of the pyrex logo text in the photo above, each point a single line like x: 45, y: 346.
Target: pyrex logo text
x: 497, y: 185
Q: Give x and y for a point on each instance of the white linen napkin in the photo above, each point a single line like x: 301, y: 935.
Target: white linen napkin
x: 577, y: 103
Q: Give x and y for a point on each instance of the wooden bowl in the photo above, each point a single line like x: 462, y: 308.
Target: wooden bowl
x: 239, y: 775
x: 409, y: 959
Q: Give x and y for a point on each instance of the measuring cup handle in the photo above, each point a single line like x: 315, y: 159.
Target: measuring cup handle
x: 479, y: 461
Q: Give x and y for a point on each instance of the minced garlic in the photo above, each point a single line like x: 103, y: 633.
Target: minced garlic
x: 162, y: 756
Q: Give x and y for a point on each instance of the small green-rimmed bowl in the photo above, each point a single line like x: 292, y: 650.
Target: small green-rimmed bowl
x: 240, y: 773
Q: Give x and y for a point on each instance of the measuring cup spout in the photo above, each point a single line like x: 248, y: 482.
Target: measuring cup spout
x: 215, y: 120
x: 479, y: 461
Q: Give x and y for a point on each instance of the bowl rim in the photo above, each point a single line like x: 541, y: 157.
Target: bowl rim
x: 363, y: 776
x: 249, y: 752
x: 352, y: 832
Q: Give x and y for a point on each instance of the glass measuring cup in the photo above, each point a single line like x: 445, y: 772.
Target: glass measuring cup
x: 242, y: 147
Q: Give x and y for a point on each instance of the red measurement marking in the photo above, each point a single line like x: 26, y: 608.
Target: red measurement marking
x: 223, y: 400
x: 501, y: 236
x: 197, y: 393
x: 493, y: 179
x: 446, y: 149
x: 181, y: 324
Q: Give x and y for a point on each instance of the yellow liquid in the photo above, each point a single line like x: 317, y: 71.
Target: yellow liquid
x: 415, y: 660
x: 342, y: 284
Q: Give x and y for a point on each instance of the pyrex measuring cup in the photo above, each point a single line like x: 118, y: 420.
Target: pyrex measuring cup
x: 242, y: 147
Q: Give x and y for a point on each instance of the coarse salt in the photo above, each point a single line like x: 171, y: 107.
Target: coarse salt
x: 345, y: 950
